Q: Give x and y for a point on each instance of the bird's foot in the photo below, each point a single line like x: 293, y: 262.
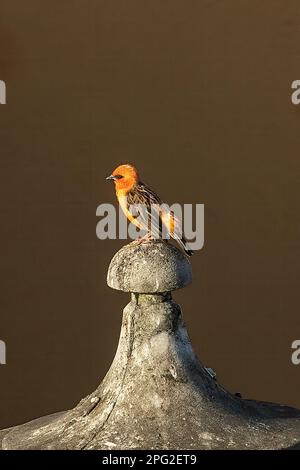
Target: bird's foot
x: 145, y: 239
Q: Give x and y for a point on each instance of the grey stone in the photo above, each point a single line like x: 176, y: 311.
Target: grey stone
x: 149, y: 268
x: 156, y: 394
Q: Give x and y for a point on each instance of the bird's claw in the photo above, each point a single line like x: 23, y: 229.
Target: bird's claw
x: 145, y: 239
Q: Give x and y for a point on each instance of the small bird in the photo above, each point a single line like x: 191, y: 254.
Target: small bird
x: 131, y: 191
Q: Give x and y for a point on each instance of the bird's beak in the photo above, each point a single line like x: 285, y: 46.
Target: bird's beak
x: 111, y: 177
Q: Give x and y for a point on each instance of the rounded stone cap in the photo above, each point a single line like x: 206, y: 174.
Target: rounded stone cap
x: 150, y: 267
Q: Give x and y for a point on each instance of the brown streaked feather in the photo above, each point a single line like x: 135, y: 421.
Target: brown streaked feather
x: 141, y: 194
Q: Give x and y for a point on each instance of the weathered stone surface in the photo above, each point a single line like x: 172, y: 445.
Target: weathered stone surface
x: 149, y: 268
x: 2, y: 434
x: 157, y: 395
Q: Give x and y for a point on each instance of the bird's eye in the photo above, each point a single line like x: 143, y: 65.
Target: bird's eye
x: 118, y: 177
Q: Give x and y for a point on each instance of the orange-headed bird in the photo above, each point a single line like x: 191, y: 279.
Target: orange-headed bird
x: 131, y: 191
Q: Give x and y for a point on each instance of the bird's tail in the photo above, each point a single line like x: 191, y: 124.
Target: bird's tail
x: 171, y: 223
x: 184, y: 245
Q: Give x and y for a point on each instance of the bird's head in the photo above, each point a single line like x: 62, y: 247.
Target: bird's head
x: 125, y: 177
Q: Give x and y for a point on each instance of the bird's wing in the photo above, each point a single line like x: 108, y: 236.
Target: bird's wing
x: 146, y: 204
x: 156, y: 214
x: 163, y: 214
x: 171, y: 222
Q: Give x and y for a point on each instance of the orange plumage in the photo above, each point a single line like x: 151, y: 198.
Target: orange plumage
x: 131, y: 191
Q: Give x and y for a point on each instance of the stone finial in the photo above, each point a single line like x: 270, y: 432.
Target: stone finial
x: 149, y: 268
x: 156, y: 394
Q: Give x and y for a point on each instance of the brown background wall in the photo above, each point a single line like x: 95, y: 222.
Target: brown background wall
x: 197, y: 95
